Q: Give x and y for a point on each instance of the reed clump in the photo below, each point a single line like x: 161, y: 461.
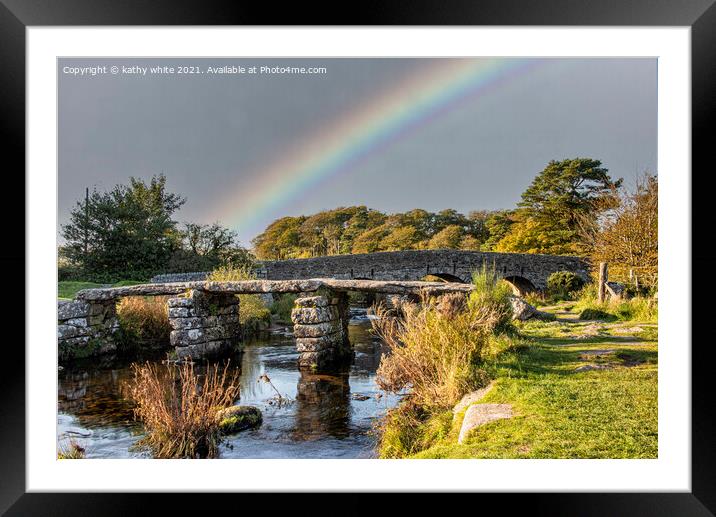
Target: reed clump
x: 144, y: 319
x: 436, y: 346
x: 178, y: 407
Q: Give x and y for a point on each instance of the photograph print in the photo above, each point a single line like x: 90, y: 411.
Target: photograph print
x: 357, y: 258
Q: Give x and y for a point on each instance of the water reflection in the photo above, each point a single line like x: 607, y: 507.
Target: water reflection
x: 322, y: 406
x: 331, y: 415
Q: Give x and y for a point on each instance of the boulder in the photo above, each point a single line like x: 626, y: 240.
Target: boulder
x: 521, y: 310
x: 238, y: 418
x: 615, y: 289
x: 471, y: 398
x: 480, y: 414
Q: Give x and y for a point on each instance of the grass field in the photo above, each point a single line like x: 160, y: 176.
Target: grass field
x: 578, y: 390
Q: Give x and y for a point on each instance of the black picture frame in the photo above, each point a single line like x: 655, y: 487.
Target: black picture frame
x: 16, y: 15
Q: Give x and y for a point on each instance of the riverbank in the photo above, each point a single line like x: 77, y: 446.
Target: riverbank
x: 577, y: 389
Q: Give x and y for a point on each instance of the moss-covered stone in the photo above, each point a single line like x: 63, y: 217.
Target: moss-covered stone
x: 238, y: 418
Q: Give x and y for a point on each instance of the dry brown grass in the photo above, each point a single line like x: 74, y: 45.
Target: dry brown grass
x: 436, y: 346
x: 144, y: 318
x: 178, y: 407
x: 434, y: 350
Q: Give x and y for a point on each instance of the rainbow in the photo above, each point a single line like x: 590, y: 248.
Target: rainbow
x: 343, y: 143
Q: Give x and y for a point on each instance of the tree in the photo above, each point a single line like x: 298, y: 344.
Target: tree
x: 567, y: 189
x: 400, y: 238
x: 448, y: 237
x: 126, y: 232
x: 557, y: 204
x: 533, y: 236
x: 205, y: 247
x: 370, y: 240
x: 629, y: 236
x: 280, y: 240
x: 498, y: 224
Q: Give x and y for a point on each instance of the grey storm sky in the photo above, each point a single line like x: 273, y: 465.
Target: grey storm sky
x: 210, y: 133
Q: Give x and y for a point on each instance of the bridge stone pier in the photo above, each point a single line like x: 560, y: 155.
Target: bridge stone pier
x: 204, y: 316
x: 321, y: 329
x: 204, y: 324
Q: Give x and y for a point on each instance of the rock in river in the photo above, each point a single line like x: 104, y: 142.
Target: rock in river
x: 238, y: 418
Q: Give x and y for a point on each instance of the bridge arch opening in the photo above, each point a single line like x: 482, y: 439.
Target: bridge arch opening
x: 442, y: 277
x: 520, y: 285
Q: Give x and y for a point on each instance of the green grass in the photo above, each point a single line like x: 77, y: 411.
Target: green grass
x: 560, y: 412
x: 67, y: 289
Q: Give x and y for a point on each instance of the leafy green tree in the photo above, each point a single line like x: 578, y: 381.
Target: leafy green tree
x: 205, y: 247
x: 555, y: 207
x: 498, y: 224
x: 281, y: 240
x: 126, y: 232
x: 370, y: 240
x: 565, y: 189
x: 400, y: 238
x: 448, y: 237
x: 533, y: 236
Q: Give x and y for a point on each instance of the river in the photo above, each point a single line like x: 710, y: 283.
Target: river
x: 327, y: 416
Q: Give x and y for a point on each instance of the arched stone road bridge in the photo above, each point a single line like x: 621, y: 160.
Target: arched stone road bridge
x: 526, y: 272
x: 204, y: 316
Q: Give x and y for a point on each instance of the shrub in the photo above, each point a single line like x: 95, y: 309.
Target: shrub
x: 143, y: 320
x: 282, y: 307
x: 633, y: 309
x: 436, y: 347
x: 252, y: 309
x: 179, y: 409
x: 563, y: 284
x: 408, y: 429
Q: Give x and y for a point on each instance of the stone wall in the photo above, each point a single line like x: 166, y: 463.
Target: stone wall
x: 204, y: 324
x: 179, y: 277
x: 321, y: 329
x: 85, y: 329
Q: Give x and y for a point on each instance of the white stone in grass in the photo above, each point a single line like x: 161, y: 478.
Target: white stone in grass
x: 480, y: 414
x: 471, y: 398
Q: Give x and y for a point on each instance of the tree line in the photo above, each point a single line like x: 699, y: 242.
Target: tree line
x: 564, y: 198
x: 572, y: 207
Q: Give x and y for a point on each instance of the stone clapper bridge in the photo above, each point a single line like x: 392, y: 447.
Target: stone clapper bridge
x: 204, y: 316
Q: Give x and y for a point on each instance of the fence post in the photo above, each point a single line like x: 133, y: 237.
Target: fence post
x: 603, y: 278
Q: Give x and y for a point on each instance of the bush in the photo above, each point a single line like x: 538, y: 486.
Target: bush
x: 408, y: 429
x: 282, y: 307
x: 143, y: 320
x: 633, y: 309
x: 436, y: 348
x: 564, y: 284
x: 67, y: 272
x: 252, y: 310
x: 179, y: 409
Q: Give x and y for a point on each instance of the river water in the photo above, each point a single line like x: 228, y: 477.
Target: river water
x: 327, y: 416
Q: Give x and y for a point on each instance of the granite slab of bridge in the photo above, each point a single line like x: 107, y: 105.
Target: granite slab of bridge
x: 204, y: 316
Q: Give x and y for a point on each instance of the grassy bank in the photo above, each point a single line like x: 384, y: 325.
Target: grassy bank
x: 578, y: 389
